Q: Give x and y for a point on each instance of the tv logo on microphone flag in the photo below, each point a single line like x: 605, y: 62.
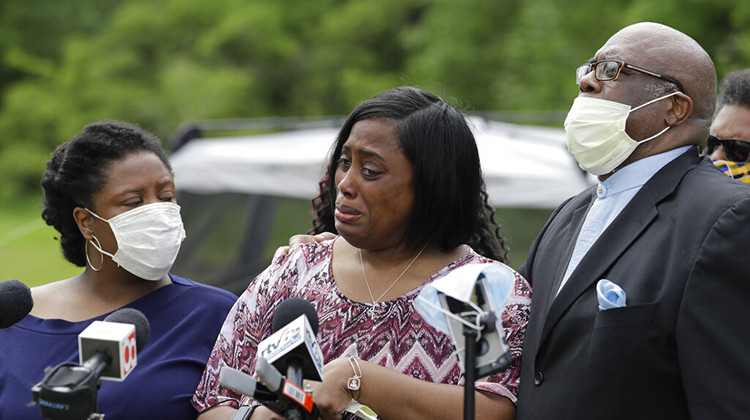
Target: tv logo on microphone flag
x: 296, y: 336
x: 130, y: 358
x: 117, y: 340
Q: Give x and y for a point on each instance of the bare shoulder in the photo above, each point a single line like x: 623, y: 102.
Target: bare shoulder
x: 448, y: 257
x: 49, y: 298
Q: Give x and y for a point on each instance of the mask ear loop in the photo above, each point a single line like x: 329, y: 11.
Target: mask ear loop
x: 477, y: 325
x: 98, y: 246
x: 649, y: 103
x: 655, y: 100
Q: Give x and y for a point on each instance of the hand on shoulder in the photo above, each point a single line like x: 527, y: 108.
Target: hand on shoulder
x: 298, y: 240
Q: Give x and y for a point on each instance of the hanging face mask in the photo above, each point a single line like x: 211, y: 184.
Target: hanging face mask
x: 471, y: 296
x: 737, y: 170
x: 595, y: 130
x: 460, y: 284
x: 148, y: 239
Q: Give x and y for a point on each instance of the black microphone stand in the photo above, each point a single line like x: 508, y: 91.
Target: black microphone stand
x: 69, y: 391
x: 477, y: 324
x: 470, y: 369
x: 294, y: 375
x: 485, y: 322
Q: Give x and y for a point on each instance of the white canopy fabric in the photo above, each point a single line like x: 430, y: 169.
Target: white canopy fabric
x: 523, y: 166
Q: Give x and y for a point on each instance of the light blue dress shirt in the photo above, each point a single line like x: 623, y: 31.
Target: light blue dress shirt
x: 612, y: 196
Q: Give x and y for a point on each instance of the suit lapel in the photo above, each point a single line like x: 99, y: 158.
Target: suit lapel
x: 573, y: 230
x: 625, y: 229
x: 556, y: 243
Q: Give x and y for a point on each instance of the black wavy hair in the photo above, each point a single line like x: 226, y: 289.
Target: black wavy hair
x: 451, y: 205
x: 79, y: 168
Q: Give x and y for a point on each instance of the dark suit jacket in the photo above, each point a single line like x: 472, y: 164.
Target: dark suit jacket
x: 681, y: 348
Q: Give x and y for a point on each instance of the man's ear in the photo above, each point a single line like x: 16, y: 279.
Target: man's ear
x: 680, y: 109
x: 85, y: 222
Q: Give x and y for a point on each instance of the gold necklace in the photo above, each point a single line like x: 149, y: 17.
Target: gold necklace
x: 367, y: 283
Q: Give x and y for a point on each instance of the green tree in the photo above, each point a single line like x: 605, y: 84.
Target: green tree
x: 159, y: 64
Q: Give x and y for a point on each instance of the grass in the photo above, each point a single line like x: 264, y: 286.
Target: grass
x: 520, y: 226
x: 29, y: 252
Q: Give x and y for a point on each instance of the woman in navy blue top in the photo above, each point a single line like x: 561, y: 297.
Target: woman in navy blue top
x: 110, y: 193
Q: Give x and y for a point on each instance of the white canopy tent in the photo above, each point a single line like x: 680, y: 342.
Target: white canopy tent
x: 523, y: 166
x: 234, y: 190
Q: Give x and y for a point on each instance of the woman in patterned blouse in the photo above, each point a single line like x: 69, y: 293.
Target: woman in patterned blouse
x: 404, y: 192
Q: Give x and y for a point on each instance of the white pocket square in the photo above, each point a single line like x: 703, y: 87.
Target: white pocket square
x: 609, y: 295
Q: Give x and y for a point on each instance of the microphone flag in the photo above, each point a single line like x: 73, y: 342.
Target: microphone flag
x: 114, y: 338
x: 294, y: 339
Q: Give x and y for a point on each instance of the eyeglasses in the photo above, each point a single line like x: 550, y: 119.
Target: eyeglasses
x: 734, y: 150
x: 610, y: 70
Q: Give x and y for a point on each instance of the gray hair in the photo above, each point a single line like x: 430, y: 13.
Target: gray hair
x: 658, y: 87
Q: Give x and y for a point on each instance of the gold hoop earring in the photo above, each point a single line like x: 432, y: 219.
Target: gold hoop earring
x: 101, y: 256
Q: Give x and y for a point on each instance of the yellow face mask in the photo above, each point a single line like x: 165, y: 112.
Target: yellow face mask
x: 737, y: 170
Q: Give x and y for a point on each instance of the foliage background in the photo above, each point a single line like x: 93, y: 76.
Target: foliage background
x: 160, y: 63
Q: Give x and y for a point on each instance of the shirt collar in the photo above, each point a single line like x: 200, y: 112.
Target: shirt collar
x: 637, y: 173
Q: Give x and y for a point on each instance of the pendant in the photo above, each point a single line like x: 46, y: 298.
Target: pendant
x: 373, y: 311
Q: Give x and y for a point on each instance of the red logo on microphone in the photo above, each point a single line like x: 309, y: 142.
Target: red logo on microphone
x: 129, y: 355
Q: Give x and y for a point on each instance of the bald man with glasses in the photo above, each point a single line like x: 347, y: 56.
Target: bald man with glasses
x: 641, y: 285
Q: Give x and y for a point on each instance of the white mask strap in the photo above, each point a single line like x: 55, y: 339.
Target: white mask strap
x: 648, y: 103
x: 655, y: 135
x: 477, y: 311
x: 98, y: 248
x: 96, y: 215
x: 477, y: 326
x: 655, y: 100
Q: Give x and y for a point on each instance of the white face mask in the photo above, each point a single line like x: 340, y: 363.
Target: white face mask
x: 148, y: 239
x: 595, y: 129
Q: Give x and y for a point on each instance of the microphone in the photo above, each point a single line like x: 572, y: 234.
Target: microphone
x: 114, y: 343
x: 292, y: 348
x: 107, y: 350
x: 471, y: 296
x: 280, y: 395
x: 290, y: 309
x: 465, y: 304
x: 15, y: 302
